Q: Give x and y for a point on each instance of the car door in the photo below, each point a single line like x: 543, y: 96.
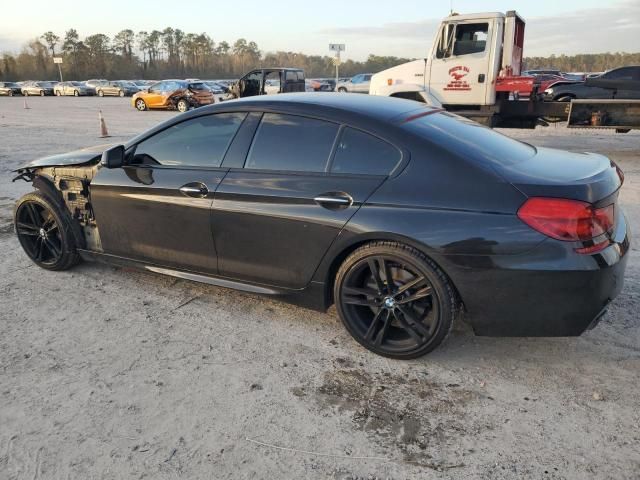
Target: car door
x: 459, y: 66
x: 154, y: 97
x: 156, y: 208
x: 274, y: 219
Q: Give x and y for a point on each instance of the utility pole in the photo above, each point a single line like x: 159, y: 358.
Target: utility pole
x: 58, y: 61
x: 337, y: 47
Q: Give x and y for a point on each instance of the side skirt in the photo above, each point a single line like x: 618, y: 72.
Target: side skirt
x: 311, y: 297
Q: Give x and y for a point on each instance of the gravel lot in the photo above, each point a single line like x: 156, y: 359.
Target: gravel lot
x: 110, y: 373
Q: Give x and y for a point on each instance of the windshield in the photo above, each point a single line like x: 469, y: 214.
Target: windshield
x: 469, y: 139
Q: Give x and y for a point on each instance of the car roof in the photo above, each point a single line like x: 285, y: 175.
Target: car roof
x: 370, y: 106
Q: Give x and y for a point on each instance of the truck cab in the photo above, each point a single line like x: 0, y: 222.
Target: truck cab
x: 461, y: 69
x: 267, y: 81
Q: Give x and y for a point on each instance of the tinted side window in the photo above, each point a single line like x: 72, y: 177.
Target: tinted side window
x: 289, y: 142
x: 199, y: 142
x: 361, y: 153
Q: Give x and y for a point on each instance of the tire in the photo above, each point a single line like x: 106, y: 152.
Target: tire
x: 10, y: 93
x: 25, y: 93
x: 182, y: 105
x: 141, y: 106
x: 45, y: 232
x: 404, y: 321
x: 121, y: 93
x: 100, y: 93
x: 42, y: 94
x: 342, y: 90
x: 76, y: 93
x: 58, y: 93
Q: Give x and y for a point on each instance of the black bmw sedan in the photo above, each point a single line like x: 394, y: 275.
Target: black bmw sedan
x: 401, y: 215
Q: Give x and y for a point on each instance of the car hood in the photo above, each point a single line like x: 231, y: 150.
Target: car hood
x: 76, y: 157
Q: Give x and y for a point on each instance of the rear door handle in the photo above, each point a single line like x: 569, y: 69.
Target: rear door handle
x: 195, y: 189
x: 334, y: 200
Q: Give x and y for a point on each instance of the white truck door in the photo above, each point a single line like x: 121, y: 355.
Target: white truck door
x: 459, y: 72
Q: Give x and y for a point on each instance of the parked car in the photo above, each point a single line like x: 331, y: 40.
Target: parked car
x: 93, y: 84
x: 622, y: 83
x: 173, y: 94
x: 10, y: 89
x: 356, y: 84
x: 320, y: 85
x: 37, y: 88
x: 119, y: 88
x: 400, y: 214
x: 267, y: 81
x: 76, y: 89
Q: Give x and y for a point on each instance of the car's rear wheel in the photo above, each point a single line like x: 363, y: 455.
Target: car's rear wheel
x: 182, y: 105
x: 141, y: 105
x: 10, y: 93
x: 45, y: 232
x: 42, y: 93
x: 394, y: 300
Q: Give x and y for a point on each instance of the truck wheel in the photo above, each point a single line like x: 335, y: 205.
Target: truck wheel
x: 182, y: 105
x: 45, y: 232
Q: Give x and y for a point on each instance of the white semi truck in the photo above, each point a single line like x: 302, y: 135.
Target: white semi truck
x: 474, y: 69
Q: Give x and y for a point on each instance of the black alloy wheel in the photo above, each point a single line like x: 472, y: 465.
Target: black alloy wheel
x: 394, y: 301
x: 45, y: 233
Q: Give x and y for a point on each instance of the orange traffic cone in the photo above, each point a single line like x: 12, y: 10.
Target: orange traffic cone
x: 26, y: 107
x: 103, y: 126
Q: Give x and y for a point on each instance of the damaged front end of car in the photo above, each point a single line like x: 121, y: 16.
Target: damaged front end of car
x: 65, y: 179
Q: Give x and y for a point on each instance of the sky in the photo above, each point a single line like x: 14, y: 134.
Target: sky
x: 403, y: 29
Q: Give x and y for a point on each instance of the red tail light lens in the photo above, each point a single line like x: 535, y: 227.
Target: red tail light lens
x: 568, y: 220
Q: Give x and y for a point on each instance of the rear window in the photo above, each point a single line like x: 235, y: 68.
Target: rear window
x: 469, y: 139
x: 360, y: 153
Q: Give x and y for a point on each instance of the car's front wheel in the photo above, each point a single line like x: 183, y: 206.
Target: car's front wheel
x: 394, y: 300
x: 45, y: 232
x: 141, y: 105
x: 100, y: 93
x: 121, y: 93
x: 76, y: 93
x: 42, y: 93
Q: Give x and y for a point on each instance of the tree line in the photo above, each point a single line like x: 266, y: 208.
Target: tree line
x: 174, y: 53
x: 162, y: 54
x: 588, y: 62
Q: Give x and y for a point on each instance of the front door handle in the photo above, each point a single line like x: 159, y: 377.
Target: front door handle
x: 334, y: 200
x: 195, y: 189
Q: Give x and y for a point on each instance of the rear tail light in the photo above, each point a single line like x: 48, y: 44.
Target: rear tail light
x: 569, y: 220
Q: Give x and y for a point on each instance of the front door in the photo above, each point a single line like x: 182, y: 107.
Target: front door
x: 157, y: 208
x: 460, y: 63
x: 275, y: 219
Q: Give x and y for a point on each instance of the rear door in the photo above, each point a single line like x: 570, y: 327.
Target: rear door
x: 156, y: 209
x: 274, y: 219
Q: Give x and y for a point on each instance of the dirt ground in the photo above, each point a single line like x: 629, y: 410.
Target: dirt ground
x: 108, y: 373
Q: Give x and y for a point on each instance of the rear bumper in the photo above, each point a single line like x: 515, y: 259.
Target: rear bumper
x: 546, y: 293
